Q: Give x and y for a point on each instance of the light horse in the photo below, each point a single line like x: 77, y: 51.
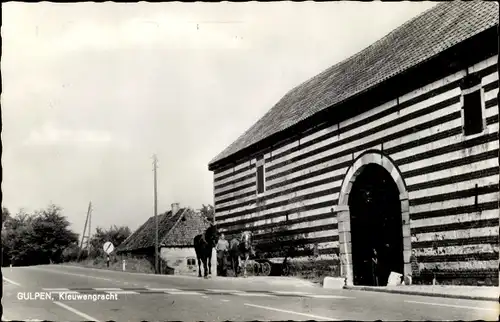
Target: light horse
x: 203, y: 245
x: 241, y: 248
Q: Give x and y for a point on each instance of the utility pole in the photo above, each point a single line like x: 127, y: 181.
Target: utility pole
x: 90, y: 227
x: 155, y: 166
x: 87, y: 221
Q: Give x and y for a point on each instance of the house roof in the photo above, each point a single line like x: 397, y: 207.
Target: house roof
x: 185, y: 229
x: 414, y: 42
x: 144, y: 236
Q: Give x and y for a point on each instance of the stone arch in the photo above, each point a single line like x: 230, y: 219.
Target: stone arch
x: 344, y: 216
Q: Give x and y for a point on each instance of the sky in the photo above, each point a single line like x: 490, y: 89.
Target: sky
x: 92, y: 90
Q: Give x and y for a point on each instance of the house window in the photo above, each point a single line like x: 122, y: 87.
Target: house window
x: 261, y: 184
x: 472, y: 105
x: 191, y: 262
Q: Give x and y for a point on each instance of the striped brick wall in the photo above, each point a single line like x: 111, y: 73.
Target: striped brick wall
x: 452, y: 180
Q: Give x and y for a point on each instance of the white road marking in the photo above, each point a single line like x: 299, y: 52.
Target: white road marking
x: 324, y: 296
x: 457, y: 306
x: 291, y: 293
x: 72, y: 274
x: 121, y: 292
x: 163, y: 289
x: 255, y: 294
x: 224, y: 300
x: 107, y: 289
x: 79, y: 313
x: 317, y: 317
x: 224, y: 291
x: 131, y: 273
x: 184, y: 293
x: 11, y: 281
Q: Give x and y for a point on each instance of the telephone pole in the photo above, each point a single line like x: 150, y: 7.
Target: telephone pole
x: 155, y: 166
x: 87, y: 221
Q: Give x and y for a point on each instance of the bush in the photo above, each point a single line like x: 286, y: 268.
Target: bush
x: 135, y: 264
x: 70, y: 253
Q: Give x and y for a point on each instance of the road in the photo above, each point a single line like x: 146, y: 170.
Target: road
x: 152, y: 298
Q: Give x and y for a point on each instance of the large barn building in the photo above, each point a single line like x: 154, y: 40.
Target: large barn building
x: 395, y: 149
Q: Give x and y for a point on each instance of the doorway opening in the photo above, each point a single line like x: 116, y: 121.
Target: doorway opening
x: 376, y: 224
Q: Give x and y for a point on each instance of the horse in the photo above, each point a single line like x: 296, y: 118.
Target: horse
x: 203, y: 244
x: 238, y: 249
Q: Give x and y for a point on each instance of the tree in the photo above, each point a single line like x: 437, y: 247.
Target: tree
x: 114, y: 234
x: 51, y: 229
x: 15, y: 233
x: 208, y: 212
x: 5, y: 215
x: 39, y: 238
x: 5, y: 251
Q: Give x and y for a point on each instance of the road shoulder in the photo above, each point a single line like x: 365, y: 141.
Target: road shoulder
x: 480, y: 293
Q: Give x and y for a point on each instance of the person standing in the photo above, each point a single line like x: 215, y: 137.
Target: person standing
x: 222, y: 248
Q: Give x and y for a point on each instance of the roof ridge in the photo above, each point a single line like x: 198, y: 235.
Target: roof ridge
x: 140, y: 229
x: 175, y: 225
x: 134, y: 233
x: 407, y: 46
x: 326, y: 71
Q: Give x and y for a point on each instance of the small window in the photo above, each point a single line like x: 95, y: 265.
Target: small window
x: 191, y: 262
x: 472, y: 105
x: 260, y: 175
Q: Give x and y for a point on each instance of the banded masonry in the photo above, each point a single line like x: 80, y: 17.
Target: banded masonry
x: 424, y: 101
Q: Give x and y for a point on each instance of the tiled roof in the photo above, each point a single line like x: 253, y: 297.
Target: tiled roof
x: 144, y: 236
x: 172, y: 231
x: 184, y: 231
x: 416, y: 41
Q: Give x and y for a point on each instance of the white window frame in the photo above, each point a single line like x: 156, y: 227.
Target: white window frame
x: 259, y: 163
x: 483, y: 110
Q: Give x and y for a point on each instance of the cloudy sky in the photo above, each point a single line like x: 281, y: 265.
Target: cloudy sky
x: 92, y: 91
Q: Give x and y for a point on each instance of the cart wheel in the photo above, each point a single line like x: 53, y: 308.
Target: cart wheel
x: 256, y: 269
x: 285, y: 270
x: 250, y: 268
x: 266, y: 269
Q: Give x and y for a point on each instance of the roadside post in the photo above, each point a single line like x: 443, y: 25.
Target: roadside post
x: 108, y: 249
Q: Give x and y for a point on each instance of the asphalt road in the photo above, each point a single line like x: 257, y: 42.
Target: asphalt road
x: 153, y: 298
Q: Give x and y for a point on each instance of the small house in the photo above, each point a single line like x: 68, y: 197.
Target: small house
x: 176, y: 231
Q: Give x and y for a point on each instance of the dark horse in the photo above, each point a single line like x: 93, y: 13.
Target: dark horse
x: 240, y: 249
x: 203, y: 245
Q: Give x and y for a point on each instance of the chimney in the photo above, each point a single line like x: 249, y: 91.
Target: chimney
x: 175, y: 208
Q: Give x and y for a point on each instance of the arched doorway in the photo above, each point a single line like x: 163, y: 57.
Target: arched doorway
x: 373, y: 214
